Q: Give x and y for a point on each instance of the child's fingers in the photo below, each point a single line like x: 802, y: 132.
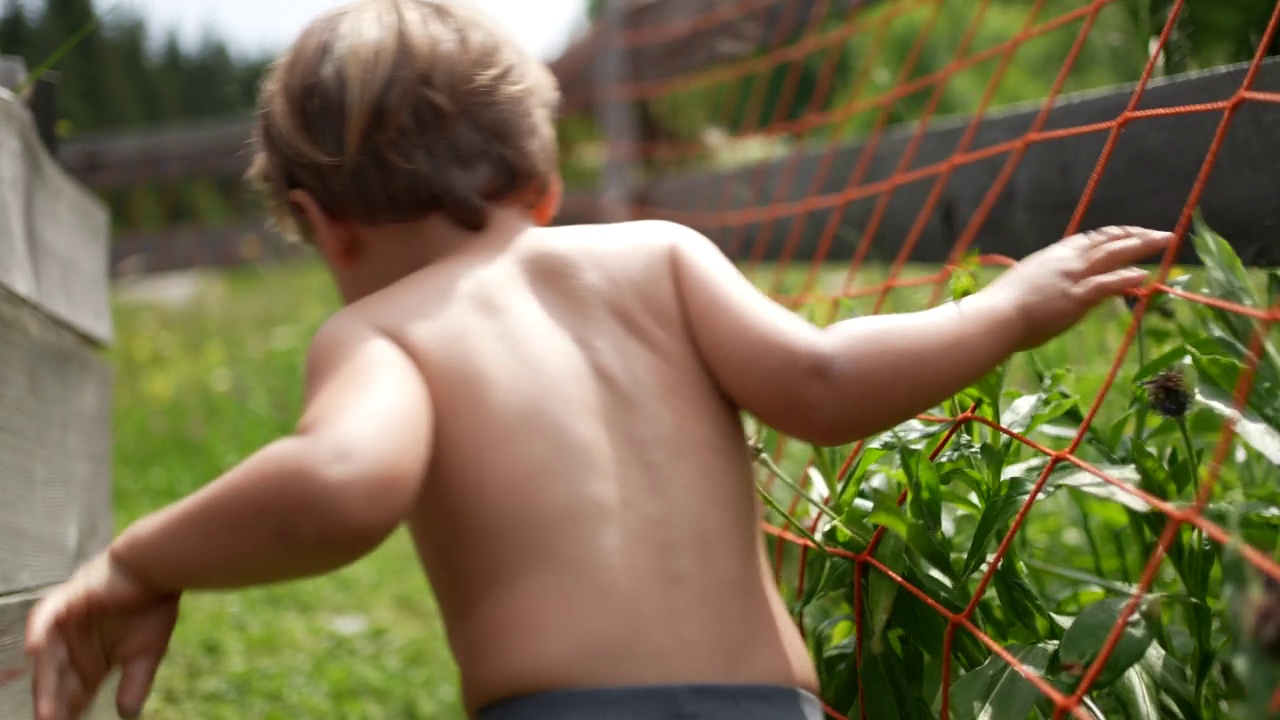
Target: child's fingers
x: 1124, y: 251
x: 1112, y: 232
x: 46, y: 679
x: 1099, y: 287
x: 135, y: 686
x: 38, y: 623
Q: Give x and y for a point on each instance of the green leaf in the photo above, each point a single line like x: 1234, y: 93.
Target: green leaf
x: 881, y: 589
x: 1083, y: 640
x: 1225, y: 273
x: 997, y: 514
x: 888, y: 515
x: 1138, y: 695
x: 912, y: 433
x: 1154, y: 476
x: 1081, y: 579
x: 825, y: 462
x: 936, y: 583
x: 883, y: 687
x: 1161, y: 362
x: 1100, y: 442
x: 1219, y: 370
x: 1091, y: 484
x: 1028, y: 412
x: 1171, y: 678
x: 1248, y: 427
x: 963, y: 283
x: 933, y: 548
x: 1018, y: 597
x: 987, y: 390
x: 1182, y: 471
x: 819, y: 616
x: 993, y: 458
x: 965, y: 477
x: 995, y: 691
x: 1017, y: 417
x: 926, y: 489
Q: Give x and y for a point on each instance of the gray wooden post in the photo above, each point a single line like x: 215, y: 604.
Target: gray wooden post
x: 44, y: 106
x: 13, y: 72
x: 42, y: 96
x: 55, y: 387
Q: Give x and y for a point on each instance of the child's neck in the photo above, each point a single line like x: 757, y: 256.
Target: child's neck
x: 391, y: 253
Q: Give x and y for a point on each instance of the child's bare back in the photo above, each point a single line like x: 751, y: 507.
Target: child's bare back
x: 554, y: 412
x: 588, y: 518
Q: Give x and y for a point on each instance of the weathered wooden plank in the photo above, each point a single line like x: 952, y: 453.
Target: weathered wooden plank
x: 55, y: 449
x: 126, y: 159
x: 15, y: 694
x: 13, y: 71
x: 54, y: 240
x: 185, y: 246
x: 17, y: 271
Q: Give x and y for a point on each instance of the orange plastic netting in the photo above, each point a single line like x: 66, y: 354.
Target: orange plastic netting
x: 713, y: 212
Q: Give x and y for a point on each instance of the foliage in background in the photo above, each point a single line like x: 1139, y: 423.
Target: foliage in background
x: 1202, y: 644
x: 121, y: 74
x: 1208, y: 32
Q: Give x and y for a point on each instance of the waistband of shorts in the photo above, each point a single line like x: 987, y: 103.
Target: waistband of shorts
x: 695, y: 701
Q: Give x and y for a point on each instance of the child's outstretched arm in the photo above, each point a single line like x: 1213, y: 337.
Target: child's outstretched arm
x: 311, y: 502
x: 865, y: 375
x: 306, y: 504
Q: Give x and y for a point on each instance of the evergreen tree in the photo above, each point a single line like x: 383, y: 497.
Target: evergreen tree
x: 15, y: 28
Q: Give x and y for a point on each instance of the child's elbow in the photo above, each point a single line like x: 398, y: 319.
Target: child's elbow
x: 366, y: 499
x: 817, y: 411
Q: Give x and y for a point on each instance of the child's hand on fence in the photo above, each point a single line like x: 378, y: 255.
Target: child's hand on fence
x: 101, y: 619
x: 1054, y: 288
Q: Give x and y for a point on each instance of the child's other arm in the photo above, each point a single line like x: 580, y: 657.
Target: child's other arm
x: 311, y: 502
x: 865, y: 375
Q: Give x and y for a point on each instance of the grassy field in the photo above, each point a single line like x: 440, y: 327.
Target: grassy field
x: 202, y: 382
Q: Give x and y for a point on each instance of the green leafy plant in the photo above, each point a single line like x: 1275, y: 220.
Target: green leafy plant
x: 932, y: 502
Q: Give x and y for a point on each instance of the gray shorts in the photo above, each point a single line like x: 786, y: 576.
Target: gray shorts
x: 661, y: 702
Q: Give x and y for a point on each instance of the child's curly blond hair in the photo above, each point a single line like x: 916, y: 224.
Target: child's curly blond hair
x: 389, y: 111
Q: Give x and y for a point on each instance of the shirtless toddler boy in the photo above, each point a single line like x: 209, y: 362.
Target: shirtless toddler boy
x: 528, y: 399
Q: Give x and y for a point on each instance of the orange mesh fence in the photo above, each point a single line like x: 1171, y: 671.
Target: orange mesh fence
x: 766, y: 232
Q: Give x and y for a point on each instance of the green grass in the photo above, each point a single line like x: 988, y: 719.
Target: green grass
x: 197, y: 389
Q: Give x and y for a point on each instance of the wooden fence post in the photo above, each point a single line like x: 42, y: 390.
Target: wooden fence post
x: 42, y: 97
x: 44, y: 106
x: 55, y: 388
x: 13, y: 72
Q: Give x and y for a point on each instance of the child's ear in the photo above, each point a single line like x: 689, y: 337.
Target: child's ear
x: 332, y: 237
x: 545, y: 212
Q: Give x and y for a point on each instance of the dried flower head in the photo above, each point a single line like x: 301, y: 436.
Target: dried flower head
x: 1168, y: 393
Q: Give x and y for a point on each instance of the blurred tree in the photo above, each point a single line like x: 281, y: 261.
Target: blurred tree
x: 1207, y: 33
x: 115, y: 77
x: 15, y: 28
